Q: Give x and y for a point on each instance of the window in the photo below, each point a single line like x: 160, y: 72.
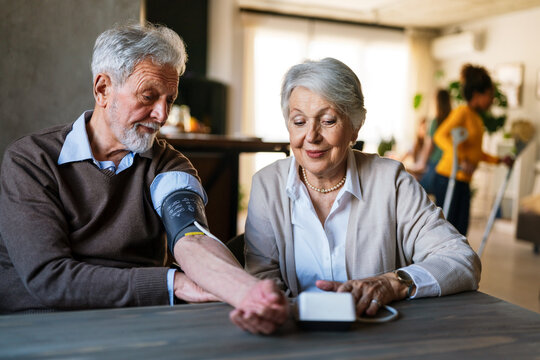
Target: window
x: 379, y: 57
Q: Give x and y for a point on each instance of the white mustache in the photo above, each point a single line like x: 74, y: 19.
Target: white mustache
x: 151, y: 125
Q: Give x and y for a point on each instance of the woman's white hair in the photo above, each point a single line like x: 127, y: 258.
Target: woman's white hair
x: 331, y: 79
x: 118, y: 50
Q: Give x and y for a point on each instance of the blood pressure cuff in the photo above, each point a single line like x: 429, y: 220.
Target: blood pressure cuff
x: 179, y: 211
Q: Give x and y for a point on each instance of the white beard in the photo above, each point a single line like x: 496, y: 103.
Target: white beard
x: 134, y: 141
x: 130, y: 138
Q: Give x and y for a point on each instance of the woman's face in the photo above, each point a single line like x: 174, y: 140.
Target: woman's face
x: 484, y: 100
x: 320, y: 137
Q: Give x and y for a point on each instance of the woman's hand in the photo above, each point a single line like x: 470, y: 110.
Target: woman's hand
x: 507, y: 160
x: 467, y: 167
x: 369, y: 294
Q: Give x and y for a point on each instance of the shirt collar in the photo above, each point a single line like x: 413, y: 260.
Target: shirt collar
x: 352, y: 183
x: 76, y: 146
x: 293, y: 180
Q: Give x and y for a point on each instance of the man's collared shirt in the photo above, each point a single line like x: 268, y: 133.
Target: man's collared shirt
x: 77, y: 148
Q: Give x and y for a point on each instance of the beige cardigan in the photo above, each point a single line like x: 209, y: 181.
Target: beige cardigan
x: 393, y: 225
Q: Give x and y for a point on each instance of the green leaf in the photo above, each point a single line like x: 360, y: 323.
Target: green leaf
x: 454, y: 88
x: 417, y: 100
x: 499, y: 98
x: 492, y: 123
x: 385, y: 146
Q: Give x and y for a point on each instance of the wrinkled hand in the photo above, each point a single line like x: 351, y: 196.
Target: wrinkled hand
x: 187, y: 290
x: 262, y: 310
x: 363, y: 291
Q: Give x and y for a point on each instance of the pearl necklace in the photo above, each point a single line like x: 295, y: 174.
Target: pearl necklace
x: 324, y: 191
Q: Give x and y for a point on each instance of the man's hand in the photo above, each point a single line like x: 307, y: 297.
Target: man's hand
x: 262, y: 310
x: 187, y: 290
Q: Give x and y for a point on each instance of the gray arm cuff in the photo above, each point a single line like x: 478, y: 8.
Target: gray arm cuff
x: 180, y: 210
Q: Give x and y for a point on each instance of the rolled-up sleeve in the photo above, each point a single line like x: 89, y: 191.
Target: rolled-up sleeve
x: 167, y: 182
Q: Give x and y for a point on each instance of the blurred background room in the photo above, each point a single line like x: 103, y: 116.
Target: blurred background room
x: 228, y: 118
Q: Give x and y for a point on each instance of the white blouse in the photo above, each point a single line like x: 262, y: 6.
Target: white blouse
x: 319, y: 252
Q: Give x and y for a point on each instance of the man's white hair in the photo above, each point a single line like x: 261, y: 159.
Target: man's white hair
x: 118, y: 50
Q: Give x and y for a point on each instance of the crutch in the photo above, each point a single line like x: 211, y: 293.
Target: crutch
x: 520, y: 145
x: 459, y: 135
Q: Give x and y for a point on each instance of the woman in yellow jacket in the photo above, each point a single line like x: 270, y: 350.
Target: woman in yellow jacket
x: 477, y: 90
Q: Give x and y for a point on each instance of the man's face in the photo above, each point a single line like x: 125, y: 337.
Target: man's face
x: 141, y: 105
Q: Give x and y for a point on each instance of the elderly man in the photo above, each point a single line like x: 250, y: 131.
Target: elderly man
x: 84, y: 206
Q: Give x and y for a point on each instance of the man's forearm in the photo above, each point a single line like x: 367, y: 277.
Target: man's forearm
x: 213, y: 267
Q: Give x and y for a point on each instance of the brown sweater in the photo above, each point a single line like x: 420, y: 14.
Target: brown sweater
x: 75, y: 237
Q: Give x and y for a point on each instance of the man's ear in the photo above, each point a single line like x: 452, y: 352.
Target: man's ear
x: 102, y: 89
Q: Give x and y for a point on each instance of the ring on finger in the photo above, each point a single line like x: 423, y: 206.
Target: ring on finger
x: 379, y: 304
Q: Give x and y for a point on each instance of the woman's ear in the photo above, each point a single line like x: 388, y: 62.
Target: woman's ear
x: 354, y: 135
x: 102, y: 89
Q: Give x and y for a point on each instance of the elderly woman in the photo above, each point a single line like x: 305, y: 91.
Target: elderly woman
x: 336, y: 219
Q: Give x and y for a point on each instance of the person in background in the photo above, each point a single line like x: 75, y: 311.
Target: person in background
x: 330, y: 218
x: 431, y: 154
x: 84, y: 206
x: 477, y: 89
x: 416, y: 154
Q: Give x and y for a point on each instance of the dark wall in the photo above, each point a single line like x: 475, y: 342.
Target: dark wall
x: 189, y: 18
x: 207, y: 99
x: 46, y: 48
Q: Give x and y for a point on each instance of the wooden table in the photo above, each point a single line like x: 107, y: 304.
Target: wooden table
x: 470, y: 325
x: 216, y: 158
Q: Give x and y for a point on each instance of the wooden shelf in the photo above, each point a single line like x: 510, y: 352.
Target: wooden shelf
x: 216, y: 158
